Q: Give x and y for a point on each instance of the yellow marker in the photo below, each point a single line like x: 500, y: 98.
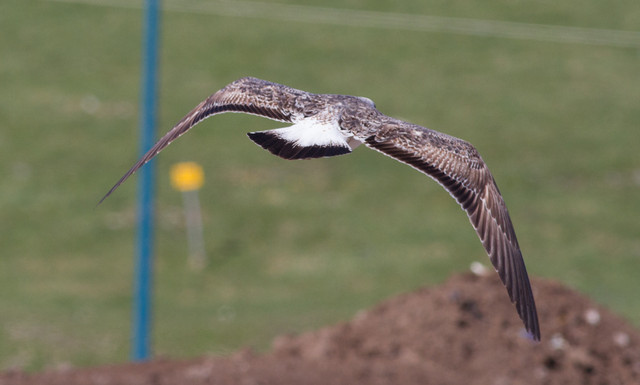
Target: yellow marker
x: 187, y: 176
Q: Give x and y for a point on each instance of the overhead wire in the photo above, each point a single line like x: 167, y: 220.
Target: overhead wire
x: 390, y: 20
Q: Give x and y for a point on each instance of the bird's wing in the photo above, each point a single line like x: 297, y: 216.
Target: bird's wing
x: 246, y: 95
x: 458, y: 167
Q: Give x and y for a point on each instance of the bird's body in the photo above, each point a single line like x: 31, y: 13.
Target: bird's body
x: 327, y: 125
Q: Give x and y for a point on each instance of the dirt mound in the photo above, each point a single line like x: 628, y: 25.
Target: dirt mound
x: 462, y: 332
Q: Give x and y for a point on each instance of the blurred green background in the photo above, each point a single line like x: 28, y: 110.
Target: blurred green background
x: 294, y: 245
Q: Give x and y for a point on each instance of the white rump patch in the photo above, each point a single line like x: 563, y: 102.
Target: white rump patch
x: 311, y: 132
x: 308, y: 138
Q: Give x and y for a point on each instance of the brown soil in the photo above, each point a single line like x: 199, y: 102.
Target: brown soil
x: 464, y: 331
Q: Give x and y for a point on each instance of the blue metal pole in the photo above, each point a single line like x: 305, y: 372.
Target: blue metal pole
x: 143, y: 287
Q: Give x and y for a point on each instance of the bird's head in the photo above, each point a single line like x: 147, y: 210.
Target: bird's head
x: 367, y: 101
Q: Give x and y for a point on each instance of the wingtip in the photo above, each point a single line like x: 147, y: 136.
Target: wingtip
x: 534, y: 333
x: 108, y: 193
x: 529, y: 314
x: 126, y: 176
x: 103, y: 198
x: 532, y: 325
x: 536, y: 336
x: 534, y: 328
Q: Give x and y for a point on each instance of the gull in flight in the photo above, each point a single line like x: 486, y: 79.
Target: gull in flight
x: 325, y: 125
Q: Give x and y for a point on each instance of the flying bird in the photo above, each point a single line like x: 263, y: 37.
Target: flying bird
x: 325, y: 125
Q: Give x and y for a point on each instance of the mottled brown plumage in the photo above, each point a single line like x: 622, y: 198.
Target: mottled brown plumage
x: 328, y: 125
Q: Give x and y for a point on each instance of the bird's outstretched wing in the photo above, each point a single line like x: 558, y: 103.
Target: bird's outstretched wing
x: 247, y: 95
x: 458, y: 167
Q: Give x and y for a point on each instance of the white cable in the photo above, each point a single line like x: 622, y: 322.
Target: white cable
x: 398, y: 21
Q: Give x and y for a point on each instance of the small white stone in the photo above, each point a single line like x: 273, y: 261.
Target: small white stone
x: 592, y: 316
x: 621, y: 339
x: 557, y: 342
x: 478, y: 269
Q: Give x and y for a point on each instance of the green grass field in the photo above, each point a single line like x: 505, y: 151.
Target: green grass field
x: 297, y: 245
